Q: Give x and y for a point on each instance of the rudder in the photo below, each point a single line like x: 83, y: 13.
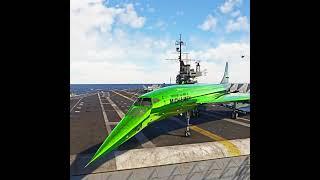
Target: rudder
x: 225, y: 79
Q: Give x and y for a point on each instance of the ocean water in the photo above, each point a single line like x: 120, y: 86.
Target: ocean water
x: 87, y: 88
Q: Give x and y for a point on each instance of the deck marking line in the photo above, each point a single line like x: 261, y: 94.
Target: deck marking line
x: 123, y: 96
x: 132, y: 94
x: 105, y: 118
x: 232, y: 149
x: 76, y: 104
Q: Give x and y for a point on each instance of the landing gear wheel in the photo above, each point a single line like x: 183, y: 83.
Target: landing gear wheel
x: 234, y: 115
x: 187, y: 133
x: 234, y: 112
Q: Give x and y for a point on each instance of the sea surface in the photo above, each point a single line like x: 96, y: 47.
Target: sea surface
x: 87, y: 88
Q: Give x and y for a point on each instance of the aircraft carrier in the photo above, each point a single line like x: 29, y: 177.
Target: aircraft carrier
x: 218, y: 148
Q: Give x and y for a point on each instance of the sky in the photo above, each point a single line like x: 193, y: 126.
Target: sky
x: 128, y: 41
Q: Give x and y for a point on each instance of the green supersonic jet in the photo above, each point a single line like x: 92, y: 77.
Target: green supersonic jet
x: 166, y: 102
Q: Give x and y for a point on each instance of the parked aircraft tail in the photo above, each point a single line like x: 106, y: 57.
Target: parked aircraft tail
x: 225, y: 79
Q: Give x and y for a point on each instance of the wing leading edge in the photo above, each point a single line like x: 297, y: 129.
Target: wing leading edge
x: 232, y: 97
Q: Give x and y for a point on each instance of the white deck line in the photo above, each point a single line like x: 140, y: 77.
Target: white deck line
x: 237, y: 122
x: 116, y: 108
x: 133, y: 94
x: 76, y: 104
x: 123, y: 96
x: 105, y: 118
x: 113, y: 123
x: 248, y: 120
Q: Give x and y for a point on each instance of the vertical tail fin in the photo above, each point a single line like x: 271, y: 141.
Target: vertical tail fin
x: 225, y: 79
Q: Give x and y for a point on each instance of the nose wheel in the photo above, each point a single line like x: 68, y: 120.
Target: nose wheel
x: 187, y: 133
x: 234, y: 115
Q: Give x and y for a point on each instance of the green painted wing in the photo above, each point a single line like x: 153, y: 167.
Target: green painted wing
x: 234, y: 97
x: 224, y: 98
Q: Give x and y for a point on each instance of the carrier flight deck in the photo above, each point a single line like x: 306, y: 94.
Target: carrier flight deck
x: 94, y: 115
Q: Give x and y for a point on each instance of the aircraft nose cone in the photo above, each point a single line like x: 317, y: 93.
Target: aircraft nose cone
x: 126, y: 128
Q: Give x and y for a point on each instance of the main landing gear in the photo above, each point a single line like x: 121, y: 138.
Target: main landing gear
x: 188, y: 116
x: 234, y: 112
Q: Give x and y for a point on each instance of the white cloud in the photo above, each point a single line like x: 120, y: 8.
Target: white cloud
x: 235, y: 13
x: 98, y: 47
x: 92, y: 14
x: 102, y: 52
x: 130, y: 17
x: 240, y: 24
x: 117, y: 70
x: 101, y: 72
x: 228, y: 6
x: 137, y: 60
x: 214, y: 59
x: 209, y: 24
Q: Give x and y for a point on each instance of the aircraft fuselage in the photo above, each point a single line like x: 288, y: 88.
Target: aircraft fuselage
x: 158, y: 105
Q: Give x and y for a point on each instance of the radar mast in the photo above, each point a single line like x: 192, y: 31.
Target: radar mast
x: 186, y: 74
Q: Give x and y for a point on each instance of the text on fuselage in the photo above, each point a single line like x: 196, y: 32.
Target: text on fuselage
x: 179, y: 97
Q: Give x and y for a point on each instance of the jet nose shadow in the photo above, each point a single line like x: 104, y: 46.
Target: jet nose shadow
x: 104, y: 164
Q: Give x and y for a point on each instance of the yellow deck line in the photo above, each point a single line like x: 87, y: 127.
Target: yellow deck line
x: 233, y: 150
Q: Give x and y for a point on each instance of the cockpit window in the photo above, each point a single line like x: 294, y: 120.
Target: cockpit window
x: 143, y: 102
x: 138, y: 102
x: 155, y: 100
x: 146, y: 102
